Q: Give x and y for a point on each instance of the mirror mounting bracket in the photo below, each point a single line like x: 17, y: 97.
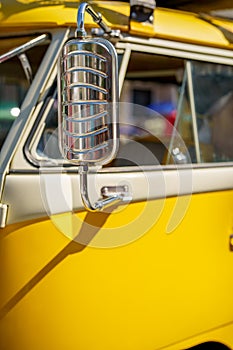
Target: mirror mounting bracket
x: 3, y: 214
x: 97, y: 18
x: 111, y: 195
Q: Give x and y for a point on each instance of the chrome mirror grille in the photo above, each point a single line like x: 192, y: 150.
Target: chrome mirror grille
x: 88, y: 93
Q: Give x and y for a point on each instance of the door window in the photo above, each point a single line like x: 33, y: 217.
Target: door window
x: 148, y: 106
x: 16, y: 75
x: 159, y: 93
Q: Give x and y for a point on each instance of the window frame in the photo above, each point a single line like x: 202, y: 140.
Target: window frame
x: 13, y: 150
x: 188, y: 52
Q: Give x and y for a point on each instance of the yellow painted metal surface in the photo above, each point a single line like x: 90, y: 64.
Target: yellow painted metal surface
x: 156, y: 290
x: 183, y: 26
x: 169, y: 24
x: 33, y: 15
x: 186, y: 26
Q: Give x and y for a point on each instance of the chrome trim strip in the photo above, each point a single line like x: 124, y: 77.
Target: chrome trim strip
x: 87, y: 150
x: 123, y: 67
x: 84, y: 53
x: 26, y: 66
x: 85, y: 85
x: 77, y: 118
x: 21, y: 49
x: 176, y: 45
x: 3, y: 214
x: 132, y: 169
x: 84, y: 69
x: 83, y: 135
x: 193, y: 111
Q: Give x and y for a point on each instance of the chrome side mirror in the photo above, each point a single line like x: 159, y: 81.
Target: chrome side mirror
x: 88, y: 109
x: 88, y: 93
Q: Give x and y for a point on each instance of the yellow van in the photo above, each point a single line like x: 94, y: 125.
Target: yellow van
x: 116, y: 200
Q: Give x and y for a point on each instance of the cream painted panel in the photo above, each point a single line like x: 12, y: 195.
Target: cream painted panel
x: 38, y: 195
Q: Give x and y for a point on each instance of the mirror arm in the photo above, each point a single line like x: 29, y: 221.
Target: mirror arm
x: 102, y: 203
x: 97, y: 18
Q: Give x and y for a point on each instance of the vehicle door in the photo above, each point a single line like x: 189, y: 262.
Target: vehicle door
x: 154, y: 271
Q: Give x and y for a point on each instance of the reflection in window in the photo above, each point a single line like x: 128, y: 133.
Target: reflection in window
x: 48, y: 144
x: 148, y: 108
x: 213, y: 102
x: 213, y: 93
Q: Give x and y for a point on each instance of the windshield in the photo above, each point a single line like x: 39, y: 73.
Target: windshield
x: 20, y: 58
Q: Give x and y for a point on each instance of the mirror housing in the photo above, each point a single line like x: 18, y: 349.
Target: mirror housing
x: 88, y: 96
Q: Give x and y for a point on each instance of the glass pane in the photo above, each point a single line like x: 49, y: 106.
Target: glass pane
x: 48, y: 146
x: 213, y: 100
x: 213, y: 95
x: 14, y: 83
x: 182, y: 147
x: 148, y: 108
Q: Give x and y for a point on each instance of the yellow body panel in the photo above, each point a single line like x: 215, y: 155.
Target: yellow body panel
x: 34, y: 15
x: 183, y: 26
x: 119, y: 280
x: 158, y: 290
x: 170, y: 24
